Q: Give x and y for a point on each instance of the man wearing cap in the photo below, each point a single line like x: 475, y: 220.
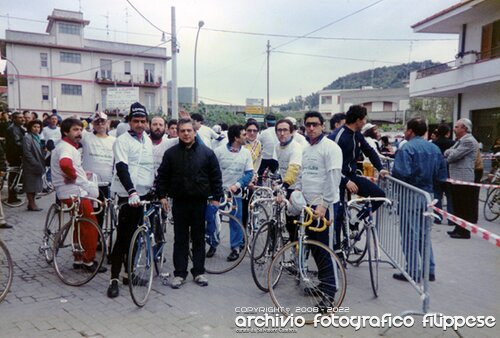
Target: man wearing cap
x: 97, y: 153
x: 269, y: 140
x: 132, y: 181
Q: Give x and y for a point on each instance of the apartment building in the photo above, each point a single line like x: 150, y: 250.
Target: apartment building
x: 62, y: 70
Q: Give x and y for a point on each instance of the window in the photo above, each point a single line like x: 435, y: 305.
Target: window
x: 67, y: 89
x: 106, y: 69
x: 149, y: 72
x: 127, y: 67
x: 490, y: 41
x: 327, y: 99
x: 149, y: 101
x: 69, y: 28
x: 104, y: 98
x: 71, y: 57
x: 44, y: 60
x: 45, y: 93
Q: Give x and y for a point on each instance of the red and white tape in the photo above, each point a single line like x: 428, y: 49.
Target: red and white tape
x: 487, y: 186
x: 473, y: 228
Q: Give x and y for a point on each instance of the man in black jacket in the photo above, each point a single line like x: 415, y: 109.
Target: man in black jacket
x: 189, y: 174
x: 14, y: 150
x: 3, y: 169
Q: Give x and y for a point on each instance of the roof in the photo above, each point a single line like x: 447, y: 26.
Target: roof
x: 443, y: 12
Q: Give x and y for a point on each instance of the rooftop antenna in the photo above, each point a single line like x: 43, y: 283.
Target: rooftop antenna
x: 126, y: 22
x: 107, y: 25
x: 8, y: 21
x: 409, y: 60
x: 80, y: 6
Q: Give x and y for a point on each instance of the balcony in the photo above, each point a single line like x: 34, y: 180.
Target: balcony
x: 469, y: 69
x: 147, y: 79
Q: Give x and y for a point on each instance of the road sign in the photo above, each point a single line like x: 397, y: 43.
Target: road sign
x: 121, y: 97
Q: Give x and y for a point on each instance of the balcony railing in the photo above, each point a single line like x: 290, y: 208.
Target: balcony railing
x: 461, y: 60
x: 120, y: 79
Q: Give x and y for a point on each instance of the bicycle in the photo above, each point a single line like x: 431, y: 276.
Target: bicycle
x: 110, y: 211
x: 268, y: 240
x: 306, y: 277
x: 69, y: 246
x: 219, y: 238
x: 147, y: 249
x: 371, y: 242
x: 15, y: 185
x: 48, y: 187
x: 54, y: 221
x: 491, y: 207
x: 6, y: 270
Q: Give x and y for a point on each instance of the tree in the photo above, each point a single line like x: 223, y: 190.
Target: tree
x: 433, y: 109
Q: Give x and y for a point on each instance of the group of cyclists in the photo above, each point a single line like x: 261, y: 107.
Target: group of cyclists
x: 190, y: 177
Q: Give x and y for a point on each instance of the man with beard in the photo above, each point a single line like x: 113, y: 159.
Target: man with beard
x: 70, y: 179
x: 132, y: 181
x: 189, y: 173
x: 159, y: 139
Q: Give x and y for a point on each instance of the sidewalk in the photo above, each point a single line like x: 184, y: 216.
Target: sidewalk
x: 40, y: 305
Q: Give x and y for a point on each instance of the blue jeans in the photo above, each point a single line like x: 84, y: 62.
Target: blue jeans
x: 235, y: 232
x: 413, y: 243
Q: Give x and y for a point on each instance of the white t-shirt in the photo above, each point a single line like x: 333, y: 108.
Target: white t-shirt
x: 321, y: 172
x: 289, y: 154
x: 138, y: 155
x: 207, y: 135
x: 122, y: 128
x: 51, y: 134
x: 82, y: 186
x: 98, y: 155
x: 233, y: 165
x: 300, y: 139
x: 160, y: 149
x: 269, y: 140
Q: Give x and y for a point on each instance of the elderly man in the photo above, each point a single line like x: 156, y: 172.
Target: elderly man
x: 461, y: 159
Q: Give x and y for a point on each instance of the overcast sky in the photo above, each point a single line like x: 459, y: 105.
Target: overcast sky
x: 232, y: 66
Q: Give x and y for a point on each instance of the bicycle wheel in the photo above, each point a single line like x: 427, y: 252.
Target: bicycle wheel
x: 219, y: 262
x: 74, y: 244
x: 257, y: 216
x: 356, y: 242
x: 6, y: 270
x: 373, y: 257
x: 139, y: 266
x: 109, y: 226
x: 307, y: 283
x: 491, y: 206
x: 267, y: 242
x: 160, y: 248
x: 52, y: 226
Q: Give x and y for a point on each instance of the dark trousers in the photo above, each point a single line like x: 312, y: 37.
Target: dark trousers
x: 103, y: 193
x: 267, y: 163
x: 128, y: 220
x: 189, y: 219
x: 12, y: 194
x: 465, y: 204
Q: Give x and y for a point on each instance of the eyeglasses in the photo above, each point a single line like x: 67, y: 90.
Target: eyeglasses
x: 282, y: 130
x: 252, y: 130
x: 99, y: 122
x: 312, y: 124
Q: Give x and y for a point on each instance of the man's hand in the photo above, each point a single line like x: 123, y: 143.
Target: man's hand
x: 164, y: 204
x: 234, y: 188
x: 215, y: 203
x: 134, y: 200
x: 383, y: 173
x: 352, y: 187
x: 320, y: 211
x: 68, y: 180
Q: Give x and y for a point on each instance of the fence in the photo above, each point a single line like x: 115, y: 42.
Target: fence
x: 404, y: 234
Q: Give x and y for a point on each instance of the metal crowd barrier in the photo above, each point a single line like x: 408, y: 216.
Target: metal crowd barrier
x: 404, y: 234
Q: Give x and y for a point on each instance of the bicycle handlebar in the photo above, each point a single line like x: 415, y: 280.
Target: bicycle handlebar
x: 369, y: 199
x: 307, y: 223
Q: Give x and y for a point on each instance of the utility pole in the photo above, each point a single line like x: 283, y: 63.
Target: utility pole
x: 268, y: 56
x: 175, y: 103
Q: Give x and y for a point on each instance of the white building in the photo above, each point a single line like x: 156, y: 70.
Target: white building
x: 473, y: 78
x: 62, y: 70
x: 383, y: 105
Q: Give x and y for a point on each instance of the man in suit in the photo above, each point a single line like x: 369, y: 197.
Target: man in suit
x: 461, y: 158
x: 14, y: 150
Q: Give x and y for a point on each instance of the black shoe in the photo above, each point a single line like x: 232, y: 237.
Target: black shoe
x: 234, y: 255
x: 14, y: 200
x: 113, y: 290
x: 432, y: 277
x: 78, y: 265
x: 211, y: 252
x: 354, y: 226
x: 459, y: 235
x: 5, y: 226
x: 93, y: 267
x: 400, y: 276
x: 451, y: 232
x: 34, y: 209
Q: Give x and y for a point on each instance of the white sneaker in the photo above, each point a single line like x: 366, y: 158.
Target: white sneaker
x: 201, y: 280
x: 177, y: 282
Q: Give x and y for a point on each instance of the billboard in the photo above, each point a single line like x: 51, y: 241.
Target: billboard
x: 254, y: 107
x: 121, y: 98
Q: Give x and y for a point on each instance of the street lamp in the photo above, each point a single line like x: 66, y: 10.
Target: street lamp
x: 18, y: 80
x: 200, y: 24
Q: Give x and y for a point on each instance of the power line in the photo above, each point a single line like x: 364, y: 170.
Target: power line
x: 328, y: 24
x: 317, y: 37
x: 219, y: 101
x: 338, y: 57
x: 152, y: 24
